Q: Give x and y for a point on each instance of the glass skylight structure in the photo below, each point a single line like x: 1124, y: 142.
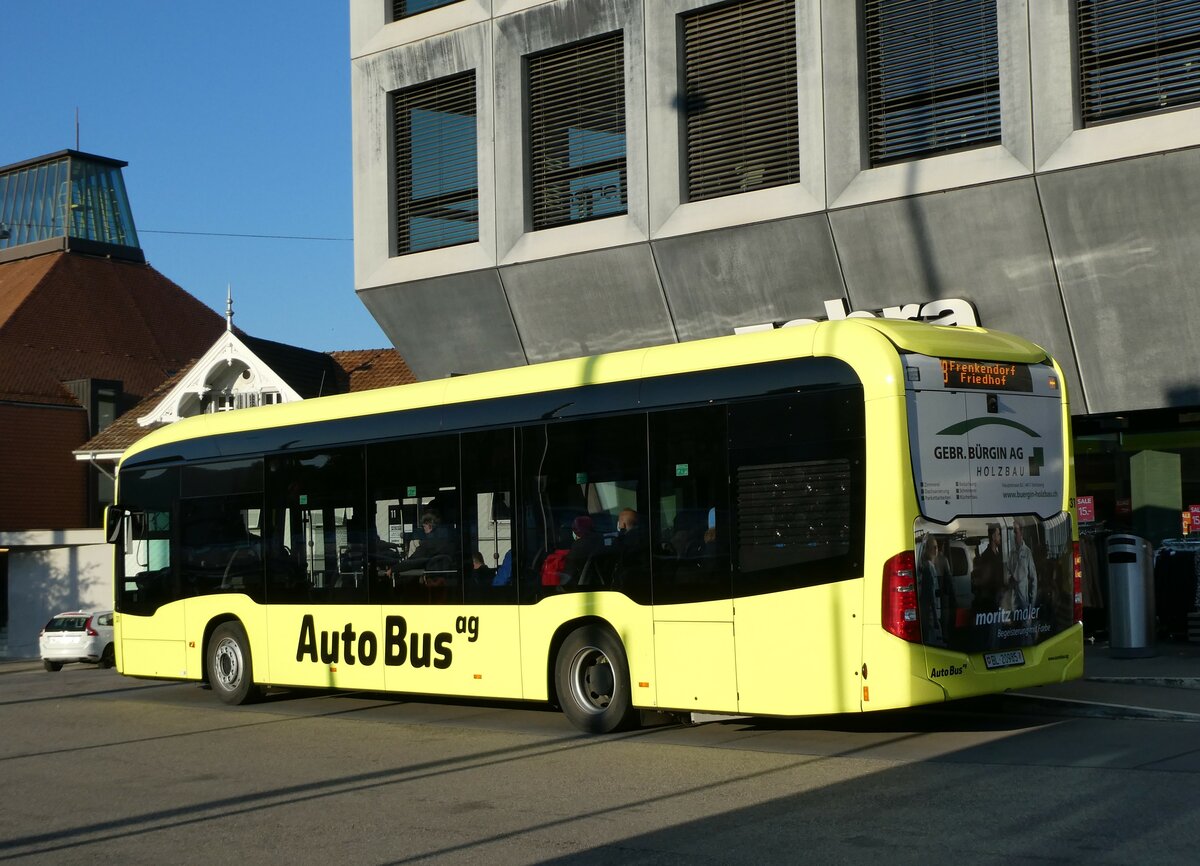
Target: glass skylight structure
x: 65, y: 195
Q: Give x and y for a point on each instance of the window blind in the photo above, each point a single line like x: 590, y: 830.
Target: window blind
x: 577, y: 132
x: 436, y: 172
x: 1137, y: 56
x: 407, y: 8
x: 933, y: 76
x: 740, y: 85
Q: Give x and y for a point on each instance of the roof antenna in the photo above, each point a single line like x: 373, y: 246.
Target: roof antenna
x: 77, y: 127
x: 229, y: 307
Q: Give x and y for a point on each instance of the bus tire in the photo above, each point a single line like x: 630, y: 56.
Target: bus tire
x: 108, y: 658
x: 230, y: 671
x: 591, y: 677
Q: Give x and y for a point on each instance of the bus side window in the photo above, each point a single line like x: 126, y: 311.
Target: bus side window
x: 690, y: 528
x: 313, y: 501
x: 414, y: 551
x: 487, y: 476
x: 145, y: 576
x: 577, y: 479
x: 220, y: 512
x: 798, y: 474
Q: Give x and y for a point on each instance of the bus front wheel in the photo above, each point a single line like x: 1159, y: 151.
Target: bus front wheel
x: 591, y: 677
x: 230, y: 672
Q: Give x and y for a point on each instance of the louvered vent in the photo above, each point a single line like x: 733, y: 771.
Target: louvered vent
x: 790, y: 513
x: 577, y: 133
x: 407, y: 8
x: 740, y: 81
x: 437, y: 187
x: 1137, y: 56
x: 933, y: 76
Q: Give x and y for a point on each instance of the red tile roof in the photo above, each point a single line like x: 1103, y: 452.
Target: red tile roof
x: 369, y: 369
x: 69, y: 316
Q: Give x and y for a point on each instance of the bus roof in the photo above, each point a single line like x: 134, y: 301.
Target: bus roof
x: 818, y: 339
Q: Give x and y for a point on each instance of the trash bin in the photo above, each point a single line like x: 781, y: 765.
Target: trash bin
x: 1130, y: 597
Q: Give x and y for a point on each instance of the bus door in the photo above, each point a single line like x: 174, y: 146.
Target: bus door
x: 323, y: 631
x: 694, y: 652
x: 149, y: 633
x: 448, y: 628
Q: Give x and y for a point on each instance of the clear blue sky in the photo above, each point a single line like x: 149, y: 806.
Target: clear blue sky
x: 234, y: 117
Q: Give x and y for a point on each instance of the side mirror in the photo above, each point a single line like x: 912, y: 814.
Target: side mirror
x: 114, y: 523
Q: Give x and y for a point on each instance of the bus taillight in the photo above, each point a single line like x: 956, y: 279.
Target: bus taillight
x: 900, y: 597
x: 1077, y: 560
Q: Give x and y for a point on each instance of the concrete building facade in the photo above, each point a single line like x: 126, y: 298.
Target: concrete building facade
x: 1030, y: 166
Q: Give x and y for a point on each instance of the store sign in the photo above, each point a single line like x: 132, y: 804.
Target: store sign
x: 944, y: 311
x: 1194, y: 511
x: 1086, y: 508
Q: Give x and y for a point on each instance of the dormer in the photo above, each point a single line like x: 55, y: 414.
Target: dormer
x: 229, y: 376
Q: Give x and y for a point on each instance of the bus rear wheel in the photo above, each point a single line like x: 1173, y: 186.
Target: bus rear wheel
x: 230, y: 671
x: 591, y: 677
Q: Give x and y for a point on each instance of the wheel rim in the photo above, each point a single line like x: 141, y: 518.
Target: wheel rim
x: 592, y: 680
x: 228, y: 664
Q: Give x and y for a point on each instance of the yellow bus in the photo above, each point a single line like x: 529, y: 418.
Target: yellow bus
x: 836, y: 517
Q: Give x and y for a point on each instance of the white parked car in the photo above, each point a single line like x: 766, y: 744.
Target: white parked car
x: 78, y: 636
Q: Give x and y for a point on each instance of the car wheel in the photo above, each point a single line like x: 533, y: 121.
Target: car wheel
x: 51, y: 666
x: 591, y: 677
x: 108, y: 658
x: 230, y: 669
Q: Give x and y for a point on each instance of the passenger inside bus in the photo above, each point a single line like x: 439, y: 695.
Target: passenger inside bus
x: 587, y: 543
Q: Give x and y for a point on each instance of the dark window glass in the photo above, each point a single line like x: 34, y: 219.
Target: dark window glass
x: 740, y: 81
x: 406, y: 8
x: 489, y: 474
x: 1137, y: 56
x: 145, y: 576
x: 315, y: 544
x: 691, y: 505
x: 436, y: 171
x: 221, y: 545
x: 577, y: 132
x: 581, y: 481
x: 729, y: 383
x: 797, y: 466
x: 414, y: 516
x: 933, y: 76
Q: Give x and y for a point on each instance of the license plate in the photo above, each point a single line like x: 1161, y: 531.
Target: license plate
x: 1009, y: 659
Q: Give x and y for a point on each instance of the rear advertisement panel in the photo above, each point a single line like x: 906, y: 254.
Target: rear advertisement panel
x: 994, y: 584
x: 986, y: 438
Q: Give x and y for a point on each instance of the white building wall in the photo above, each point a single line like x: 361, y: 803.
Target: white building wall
x: 51, y: 571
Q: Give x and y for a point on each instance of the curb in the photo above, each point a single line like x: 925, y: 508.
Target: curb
x: 1099, y: 710
x: 1167, y: 682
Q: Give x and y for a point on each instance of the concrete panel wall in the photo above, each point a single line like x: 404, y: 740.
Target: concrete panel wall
x: 586, y: 304
x: 744, y: 275
x: 1077, y: 238
x: 1126, y: 239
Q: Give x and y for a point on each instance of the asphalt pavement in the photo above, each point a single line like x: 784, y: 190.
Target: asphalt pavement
x: 1163, y: 685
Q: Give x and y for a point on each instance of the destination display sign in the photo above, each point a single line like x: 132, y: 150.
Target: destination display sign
x: 958, y: 374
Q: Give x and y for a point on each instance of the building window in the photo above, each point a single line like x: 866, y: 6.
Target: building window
x: 577, y: 133
x: 408, y: 8
x: 933, y: 77
x: 1137, y: 56
x: 436, y: 172
x: 739, y: 70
